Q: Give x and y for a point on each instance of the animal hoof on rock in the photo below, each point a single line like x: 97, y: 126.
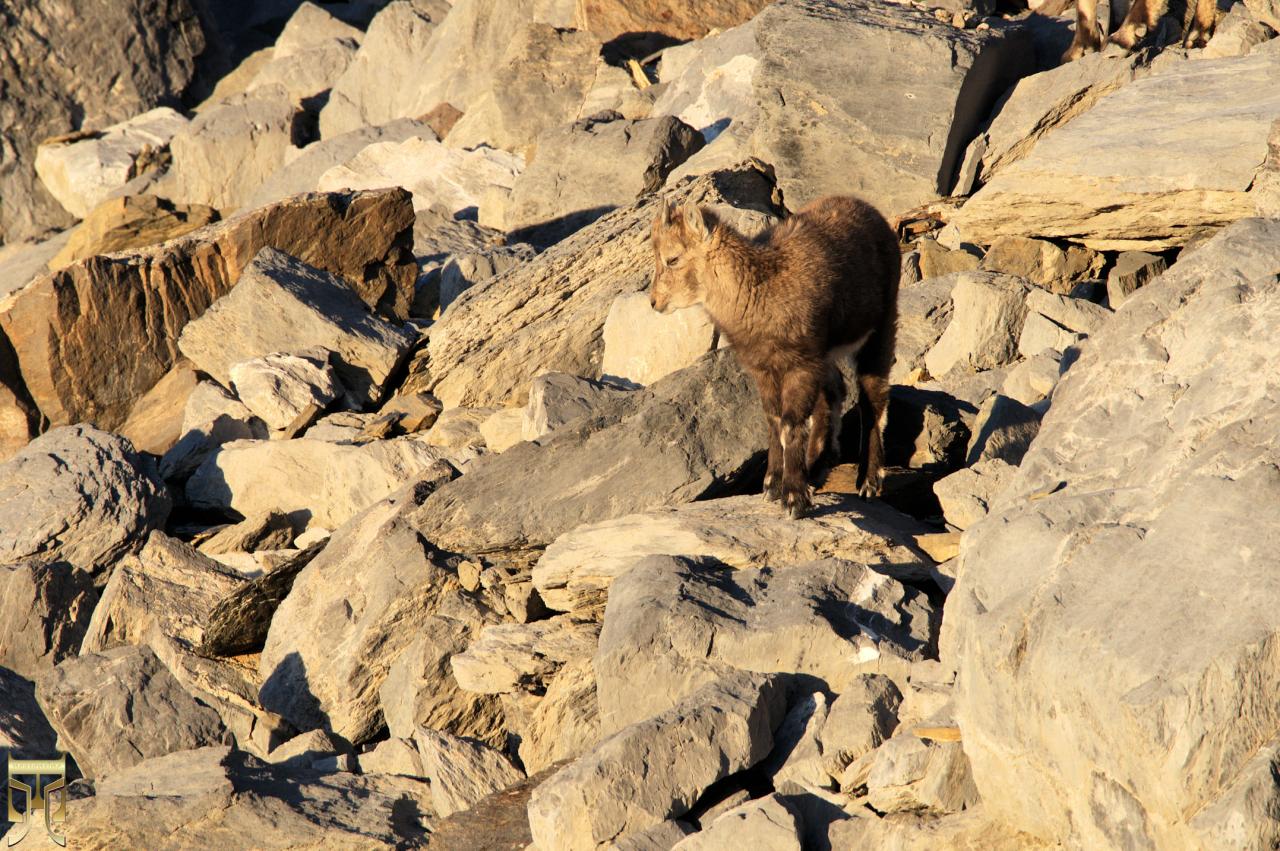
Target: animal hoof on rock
x: 772, y: 490
x: 797, y: 503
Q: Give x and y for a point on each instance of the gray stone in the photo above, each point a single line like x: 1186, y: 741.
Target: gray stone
x: 924, y: 311
x: 420, y: 689
x: 1094, y: 181
x: 115, y: 709
x: 475, y: 182
x: 660, y: 837
x: 393, y: 756
x: 564, y: 723
x: 1033, y: 379
x: 861, y: 718
x: 673, y: 624
x: 462, y: 771
x: 1130, y: 591
x: 1042, y: 102
x: 913, y: 775
x: 988, y: 310
x: 281, y: 304
x: 304, y: 750
x: 464, y: 270
x: 307, y: 67
x: 1132, y: 269
x: 539, y: 82
x: 967, y: 495
x: 585, y: 169
x: 508, y: 656
x: 557, y: 399
x: 268, y: 531
x: 23, y: 262
x: 112, y: 64
x: 231, y: 148
x: 211, y: 418
x: 322, y: 672
x: 768, y: 824
x: 707, y: 83
x: 655, y: 452
x: 278, y: 387
x: 459, y: 428
x: 82, y: 173
x: 548, y: 315
x: 577, y: 569
x: 302, y: 172
x: 656, y: 769
x: 1003, y: 430
x: 47, y: 609
x: 1040, y: 333
x: 1238, y: 32
x: 78, y: 495
x: 642, y: 345
x: 795, y: 766
x: 207, y: 794
x: 315, y: 482
x: 885, y: 96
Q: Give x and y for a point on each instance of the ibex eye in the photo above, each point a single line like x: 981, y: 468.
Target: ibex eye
x: 671, y: 261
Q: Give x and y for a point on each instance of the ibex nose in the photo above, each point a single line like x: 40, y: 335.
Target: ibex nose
x: 653, y: 302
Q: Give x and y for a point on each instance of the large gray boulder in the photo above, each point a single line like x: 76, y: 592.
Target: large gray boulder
x: 72, y: 65
x: 885, y: 95
x: 1095, y: 180
x: 1114, y: 634
x: 684, y: 438
x: 578, y: 568
x: 655, y: 770
x: 673, y: 624
x: 385, y: 579
x: 281, y: 304
x: 80, y: 496
x: 115, y: 709
x: 548, y: 315
x: 585, y: 169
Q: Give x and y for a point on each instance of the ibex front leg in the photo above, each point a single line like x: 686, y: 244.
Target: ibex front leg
x: 799, y: 393
x: 771, y: 401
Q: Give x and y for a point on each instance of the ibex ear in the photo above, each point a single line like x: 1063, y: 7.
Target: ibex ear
x: 696, y: 222
x: 666, y: 213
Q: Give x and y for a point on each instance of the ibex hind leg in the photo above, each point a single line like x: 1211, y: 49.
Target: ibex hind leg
x: 873, y: 407
x: 824, y: 425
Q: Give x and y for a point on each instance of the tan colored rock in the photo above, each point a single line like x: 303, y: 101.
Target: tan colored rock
x: 548, y: 314
x: 910, y: 774
x: 967, y: 495
x: 281, y: 305
x: 1132, y: 270
x: 82, y: 172
x: 279, y: 387
x: 459, y: 427
x: 607, y: 19
x: 462, y: 771
x: 73, y: 329
x: 212, y: 417
x: 132, y: 221
x: 564, y: 723
x: 1094, y: 180
x: 642, y: 345
x: 155, y: 422
x: 314, y: 481
x: 767, y: 824
x: 502, y: 430
x: 1042, y: 263
x: 743, y: 532
x: 935, y: 261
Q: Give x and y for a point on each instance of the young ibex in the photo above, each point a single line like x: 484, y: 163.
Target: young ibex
x: 1142, y: 17
x: 792, y: 302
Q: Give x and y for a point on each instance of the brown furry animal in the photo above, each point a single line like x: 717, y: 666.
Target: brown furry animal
x: 792, y: 302
x: 1142, y: 18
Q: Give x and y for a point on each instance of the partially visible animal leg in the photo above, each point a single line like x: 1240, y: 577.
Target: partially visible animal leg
x: 1142, y: 18
x: 771, y: 399
x: 800, y: 389
x: 824, y: 426
x: 1088, y: 34
x: 874, y: 363
x: 1202, y: 25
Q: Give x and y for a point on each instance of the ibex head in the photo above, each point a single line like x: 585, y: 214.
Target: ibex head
x: 681, y: 246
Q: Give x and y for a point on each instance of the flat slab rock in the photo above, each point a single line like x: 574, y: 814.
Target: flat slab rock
x: 673, y: 624
x: 741, y: 531
x: 641, y: 451
x: 1095, y: 181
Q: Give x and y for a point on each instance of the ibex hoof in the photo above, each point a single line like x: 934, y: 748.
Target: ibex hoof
x: 872, y: 487
x: 772, y: 489
x: 797, y: 503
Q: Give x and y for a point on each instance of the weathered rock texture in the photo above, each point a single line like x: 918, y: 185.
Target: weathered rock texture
x: 1133, y: 592
x: 70, y: 65
x: 607, y: 19
x: 1095, y: 180
x: 548, y: 315
x: 47, y: 609
x: 77, y: 495
x: 886, y: 97
x: 94, y: 337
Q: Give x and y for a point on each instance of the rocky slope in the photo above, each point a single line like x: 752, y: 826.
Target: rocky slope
x: 352, y: 495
